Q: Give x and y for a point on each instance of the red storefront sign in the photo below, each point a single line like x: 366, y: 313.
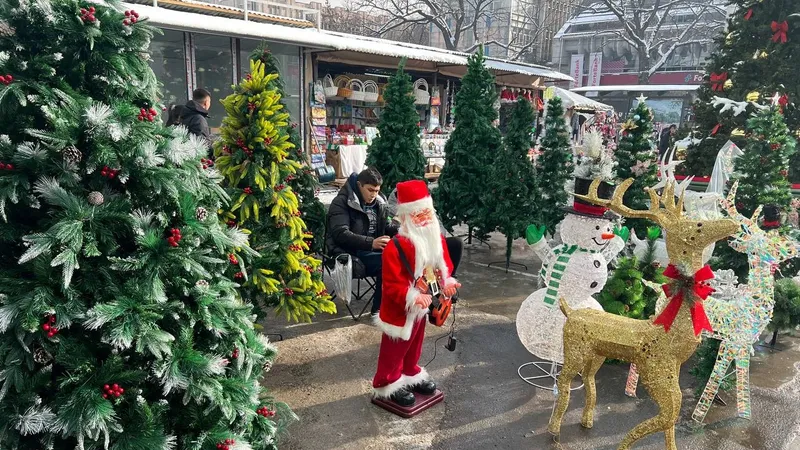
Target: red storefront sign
x: 618, y: 79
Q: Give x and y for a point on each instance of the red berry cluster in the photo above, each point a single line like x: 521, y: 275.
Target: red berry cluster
x: 235, y: 354
x: 280, y: 187
x: 131, y: 17
x: 307, y: 171
x: 231, y: 223
x: 268, y: 141
x: 248, y: 190
x: 288, y: 291
x: 775, y: 146
x: 226, y: 444
x: 294, y: 125
x: 251, y: 106
x: 226, y: 149
x: 265, y: 412
x: 206, y: 163
x: 295, y: 248
x: 147, y: 114
x: 241, y: 144
x: 784, y: 173
x: 232, y: 259
x: 248, y: 77
x: 87, y: 15
x: 109, y: 173
x: 7, y: 79
x: 281, y: 225
x: 290, y: 178
x: 50, y: 326
x: 4, y: 166
x: 113, y: 391
x: 175, y: 237
x: 238, y: 275
x: 323, y: 293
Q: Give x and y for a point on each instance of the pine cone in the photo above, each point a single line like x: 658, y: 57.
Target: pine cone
x: 72, y: 155
x: 40, y: 356
x: 200, y: 213
x: 95, y: 198
x: 267, y: 365
x: 202, y: 283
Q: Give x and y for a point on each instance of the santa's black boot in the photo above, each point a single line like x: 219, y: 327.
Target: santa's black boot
x: 403, y: 397
x: 426, y: 387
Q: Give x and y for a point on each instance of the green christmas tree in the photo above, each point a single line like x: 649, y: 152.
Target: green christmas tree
x: 625, y: 293
x: 470, y: 151
x: 786, y: 315
x: 118, y: 326
x: 253, y: 157
x: 762, y: 175
x: 396, y: 152
x: 553, y: 167
x: 751, y: 58
x: 303, y: 182
x: 512, y: 185
x: 637, y: 158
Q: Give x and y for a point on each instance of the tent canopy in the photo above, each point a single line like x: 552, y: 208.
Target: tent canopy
x: 579, y: 102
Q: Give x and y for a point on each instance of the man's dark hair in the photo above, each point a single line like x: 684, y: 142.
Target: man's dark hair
x: 200, y: 94
x: 673, y: 126
x: 370, y: 175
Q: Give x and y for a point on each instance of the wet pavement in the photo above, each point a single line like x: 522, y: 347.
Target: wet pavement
x: 324, y: 372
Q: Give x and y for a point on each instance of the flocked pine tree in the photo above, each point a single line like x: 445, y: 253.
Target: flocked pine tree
x: 253, y: 157
x: 118, y: 327
x: 762, y: 172
x: 471, y: 149
x: 303, y: 182
x: 512, y: 182
x: 553, y: 167
x: 751, y: 57
x: 396, y: 152
x: 637, y: 158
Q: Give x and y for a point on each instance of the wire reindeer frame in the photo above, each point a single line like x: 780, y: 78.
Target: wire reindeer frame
x: 658, y: 347
x: 740, y: 314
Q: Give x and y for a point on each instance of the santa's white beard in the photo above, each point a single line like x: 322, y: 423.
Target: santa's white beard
x: 427, y: 242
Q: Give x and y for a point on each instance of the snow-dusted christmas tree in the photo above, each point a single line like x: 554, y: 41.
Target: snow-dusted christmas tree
x: 118, y: 328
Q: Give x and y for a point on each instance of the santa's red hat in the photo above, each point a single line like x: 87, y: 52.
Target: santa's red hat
x: 413, y: 196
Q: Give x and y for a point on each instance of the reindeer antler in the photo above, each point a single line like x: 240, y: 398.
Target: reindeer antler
x: 730, y: 205
x: 655, y: 213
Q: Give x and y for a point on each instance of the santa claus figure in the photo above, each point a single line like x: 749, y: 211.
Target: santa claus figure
x: 416, y: 269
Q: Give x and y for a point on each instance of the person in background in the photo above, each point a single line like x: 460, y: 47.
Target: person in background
x: 455, y: 246
x: 665, y: 140
x: 174, y: 115
x: 575, y: 124
x: 358, y: 225
x: 195, y: 114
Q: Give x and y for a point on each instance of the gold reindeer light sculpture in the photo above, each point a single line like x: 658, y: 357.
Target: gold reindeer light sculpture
x: 658, y: 347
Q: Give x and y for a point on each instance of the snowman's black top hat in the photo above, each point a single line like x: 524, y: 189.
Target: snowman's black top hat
x: 581, y: 207
x: 772, y: 217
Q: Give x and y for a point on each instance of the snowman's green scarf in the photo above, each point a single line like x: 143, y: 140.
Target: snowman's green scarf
x: 556, y: 267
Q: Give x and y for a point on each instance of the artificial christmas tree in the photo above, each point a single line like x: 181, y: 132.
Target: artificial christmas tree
x: 118, y: 327
x: 759, y: 52
x: 303, y: 182
x: 396, y: 152
x: 553, y: 167
x: 637, y: 158
x: 512, y: 181
x: 762, y: 172
x: 469, y: 152
x: 253, y: 157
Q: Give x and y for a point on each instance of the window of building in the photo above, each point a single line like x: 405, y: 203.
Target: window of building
x: 168, y: 61
x: 214, y: 71
x: 288, y: 57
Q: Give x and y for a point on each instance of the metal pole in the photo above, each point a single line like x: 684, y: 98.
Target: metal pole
x: 155, y: 3
x: 245, y: 9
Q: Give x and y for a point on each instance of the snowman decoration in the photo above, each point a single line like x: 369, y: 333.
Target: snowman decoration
x: 574, y: 270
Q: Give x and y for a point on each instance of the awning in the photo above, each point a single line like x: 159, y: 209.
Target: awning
x: 579, y: 102
x: 639, y: 88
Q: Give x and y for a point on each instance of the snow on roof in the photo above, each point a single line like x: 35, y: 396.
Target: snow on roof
x: 639, y: 88
x: 331, y: 41
x: 578, y: 101
x: 214, y: 9
x: 202, y: 23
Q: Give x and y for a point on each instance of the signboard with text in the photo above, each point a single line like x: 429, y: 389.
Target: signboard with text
x: 595, y: 71
x: 576, y: 71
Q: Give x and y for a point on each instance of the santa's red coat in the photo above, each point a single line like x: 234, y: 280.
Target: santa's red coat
x: 398, y: 311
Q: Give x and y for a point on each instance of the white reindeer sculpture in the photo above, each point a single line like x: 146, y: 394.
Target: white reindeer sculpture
x: 739, y: 314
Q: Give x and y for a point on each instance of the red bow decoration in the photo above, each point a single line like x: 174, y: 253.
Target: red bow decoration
x: 718, y: 81
x: 780, y: 30
x: 716, y: 128
x: 749, y: 14
x: 783, y: 101
x: 677, y: 290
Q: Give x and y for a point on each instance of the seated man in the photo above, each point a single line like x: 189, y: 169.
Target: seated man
x: 455, y: 246
x: 358, y: 224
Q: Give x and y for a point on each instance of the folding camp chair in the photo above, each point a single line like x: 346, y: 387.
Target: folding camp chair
x: 358, y: 274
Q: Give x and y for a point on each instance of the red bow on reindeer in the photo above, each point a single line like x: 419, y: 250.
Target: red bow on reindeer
x: 682, y: 287
x: 779, y: 31
x: 718, y: 81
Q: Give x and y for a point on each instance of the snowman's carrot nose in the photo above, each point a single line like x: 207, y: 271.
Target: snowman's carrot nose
x: 607, y: 236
